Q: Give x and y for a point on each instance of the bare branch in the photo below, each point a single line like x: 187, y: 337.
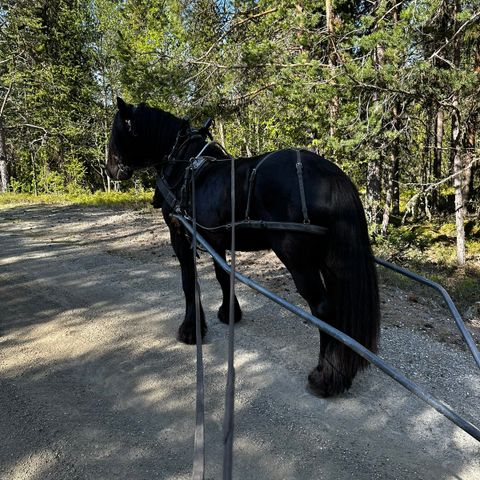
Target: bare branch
x: 433, y: 186
x: 455, y: 35
x: 29, y: 125
x: 5, y: 98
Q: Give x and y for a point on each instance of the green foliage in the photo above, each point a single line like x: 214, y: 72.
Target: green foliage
x: 129, y: 199
x: 430, y: 242
x: 270, y: 72
x: 49, y: 70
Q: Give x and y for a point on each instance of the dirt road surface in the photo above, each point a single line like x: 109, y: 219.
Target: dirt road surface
x: 93, y: 384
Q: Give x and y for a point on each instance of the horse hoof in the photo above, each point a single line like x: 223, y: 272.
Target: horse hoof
x: 187, y: 334
x: 316, y: 383
x: 324, y: 382
x: 223, y: 313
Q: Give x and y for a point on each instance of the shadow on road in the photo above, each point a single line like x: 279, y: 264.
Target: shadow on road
x: 93, y: 384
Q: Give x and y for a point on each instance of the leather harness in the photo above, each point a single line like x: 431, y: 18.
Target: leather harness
x: 195, y: 167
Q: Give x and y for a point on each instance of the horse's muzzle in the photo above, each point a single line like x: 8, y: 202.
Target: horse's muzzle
x: 124, y: 172
x: 121, y: 172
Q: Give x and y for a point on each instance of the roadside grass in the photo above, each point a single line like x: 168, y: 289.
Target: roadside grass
x: 429, y: 249
x: 131, y: 199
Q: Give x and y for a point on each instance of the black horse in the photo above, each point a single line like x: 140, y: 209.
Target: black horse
x: 333, y: 272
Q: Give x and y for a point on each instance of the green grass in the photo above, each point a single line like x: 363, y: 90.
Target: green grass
x: 130, y: 199
x: 429, y: 248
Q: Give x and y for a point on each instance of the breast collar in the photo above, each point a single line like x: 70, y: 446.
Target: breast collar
x: 193, y: 167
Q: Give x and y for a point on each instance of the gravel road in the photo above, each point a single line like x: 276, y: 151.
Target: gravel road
x: 93, y: 384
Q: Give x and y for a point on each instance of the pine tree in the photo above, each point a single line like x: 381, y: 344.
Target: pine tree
x: 52, y: 92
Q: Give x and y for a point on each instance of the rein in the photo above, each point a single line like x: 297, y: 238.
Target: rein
x: 198, y: 472
x: 193, y: 166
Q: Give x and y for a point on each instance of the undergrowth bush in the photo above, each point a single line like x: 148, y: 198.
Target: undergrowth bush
x: 429, y: 249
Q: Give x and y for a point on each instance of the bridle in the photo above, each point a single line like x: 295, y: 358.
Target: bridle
x: 202, y: 133
x: 192, y: 163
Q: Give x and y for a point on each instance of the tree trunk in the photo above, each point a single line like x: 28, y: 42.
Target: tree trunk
x: 396, y: 180
x: 457, y: 157
x: 458, y: 184
x: 374, y: 169
x: 471, y: 139
x: 392, y: 199
x: 390, y: 192
x: 437, y: 155
x: 4, y: 174
x: 221, y: 132
x: 373, y: 192
x: 34, y: 173
x: 427, y: 148
x: 332, y: 63
x: 469, y: 146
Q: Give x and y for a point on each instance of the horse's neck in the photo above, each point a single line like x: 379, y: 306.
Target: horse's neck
x: 162, y: 142
x: 173, y: 172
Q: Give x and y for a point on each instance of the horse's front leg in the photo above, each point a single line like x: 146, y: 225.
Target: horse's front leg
x: 181, y: 246
x: 224, y: 281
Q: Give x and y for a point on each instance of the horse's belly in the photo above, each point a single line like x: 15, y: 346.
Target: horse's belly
x: 250, y: 241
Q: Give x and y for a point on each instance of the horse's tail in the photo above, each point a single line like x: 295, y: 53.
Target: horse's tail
x: 351, y: 281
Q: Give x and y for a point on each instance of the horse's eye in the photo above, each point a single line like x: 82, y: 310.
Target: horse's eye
x: 130, y: 127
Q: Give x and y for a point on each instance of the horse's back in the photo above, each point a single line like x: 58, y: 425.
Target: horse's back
x: 279, y: 182
x: 268, y: 188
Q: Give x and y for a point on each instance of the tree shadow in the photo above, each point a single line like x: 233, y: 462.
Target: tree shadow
x: 93, y: 384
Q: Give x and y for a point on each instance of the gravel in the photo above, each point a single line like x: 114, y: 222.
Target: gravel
x: 93, y: 384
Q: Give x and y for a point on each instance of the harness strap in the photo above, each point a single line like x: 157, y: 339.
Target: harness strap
x: 251, y: 184
x: 285, y: 226
x: 184, y: 191
x: 165, y: 190
x: 301, y: 187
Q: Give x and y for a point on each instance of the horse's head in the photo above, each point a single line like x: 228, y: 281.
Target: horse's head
x: 121, y: 147
x: 141, y: 136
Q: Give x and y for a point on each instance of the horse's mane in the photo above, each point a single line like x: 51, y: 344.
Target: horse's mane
x: 156, y: 124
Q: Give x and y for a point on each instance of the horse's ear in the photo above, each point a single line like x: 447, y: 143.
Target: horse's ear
x: 184, y: 126
x: 124, y: 108
x: 205, y: 130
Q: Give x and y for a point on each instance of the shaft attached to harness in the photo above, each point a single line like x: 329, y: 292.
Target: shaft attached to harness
x: 357, y: 347
x: 228, y: 419
x: 199, y: 442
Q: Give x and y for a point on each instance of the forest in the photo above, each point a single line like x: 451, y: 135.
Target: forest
x: 389, y: 90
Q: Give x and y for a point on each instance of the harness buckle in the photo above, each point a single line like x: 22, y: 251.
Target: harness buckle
x: 197, y: 162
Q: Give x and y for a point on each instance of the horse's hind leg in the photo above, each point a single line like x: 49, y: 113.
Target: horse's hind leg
x: 325, y: 379
x: 328, y: 377
x: 181, y: 246
x: 224, y: 281
x: 310, y: 286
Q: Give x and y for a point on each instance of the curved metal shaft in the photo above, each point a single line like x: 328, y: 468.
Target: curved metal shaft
x: 451, y: 306
x: 392, y: 372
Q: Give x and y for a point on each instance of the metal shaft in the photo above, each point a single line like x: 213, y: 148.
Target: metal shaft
x: 437, y: 404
